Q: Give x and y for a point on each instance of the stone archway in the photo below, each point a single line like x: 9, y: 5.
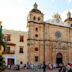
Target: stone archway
x: 59, y: 58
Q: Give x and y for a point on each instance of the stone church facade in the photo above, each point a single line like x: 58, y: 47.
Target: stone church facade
x: 49, y: 40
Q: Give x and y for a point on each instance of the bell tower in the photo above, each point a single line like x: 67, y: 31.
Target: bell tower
x: 34, y: 23
x: 35, y: 18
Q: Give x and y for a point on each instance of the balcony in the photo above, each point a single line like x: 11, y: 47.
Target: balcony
x: 8, y: 52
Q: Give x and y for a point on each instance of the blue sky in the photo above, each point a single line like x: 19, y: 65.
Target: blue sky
x: 13, y: 13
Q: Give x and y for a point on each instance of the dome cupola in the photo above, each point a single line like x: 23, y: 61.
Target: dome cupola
x: 69, y: 18
x: 68, y: 15
x: 35, y: 6
x: 35, y: 14
x: 35, y: 9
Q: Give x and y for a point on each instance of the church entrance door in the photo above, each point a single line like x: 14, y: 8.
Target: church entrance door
x: 59, y: 59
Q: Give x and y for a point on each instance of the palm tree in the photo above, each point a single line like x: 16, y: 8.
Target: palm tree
x: 2, y: 43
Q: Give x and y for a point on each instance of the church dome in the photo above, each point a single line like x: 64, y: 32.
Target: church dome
x: 68, y: 17
x: 35, y: 9
x: 56, y: 16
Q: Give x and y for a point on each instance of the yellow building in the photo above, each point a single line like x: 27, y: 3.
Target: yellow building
x: 54, y: 37
x: 16, y: 52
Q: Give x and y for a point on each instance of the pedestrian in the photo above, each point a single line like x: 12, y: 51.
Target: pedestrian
x: 63, y: 69
x: 60, y: 69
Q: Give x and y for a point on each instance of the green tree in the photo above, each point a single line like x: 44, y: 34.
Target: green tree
x: 2, y: 44
x: 2, y: 64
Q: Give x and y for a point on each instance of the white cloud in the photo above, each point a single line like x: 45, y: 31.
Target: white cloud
x: 13, y: 14
x: 64, y: 14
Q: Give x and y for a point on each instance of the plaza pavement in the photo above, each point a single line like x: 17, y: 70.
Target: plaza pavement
x: 29, y: 70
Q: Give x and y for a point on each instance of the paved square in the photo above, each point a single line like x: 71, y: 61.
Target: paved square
x: 29, y: 70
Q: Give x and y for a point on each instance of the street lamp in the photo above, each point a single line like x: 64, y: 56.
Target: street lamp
x: 44, y: 65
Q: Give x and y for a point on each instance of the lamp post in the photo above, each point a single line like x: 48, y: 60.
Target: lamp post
x: 44, y: 65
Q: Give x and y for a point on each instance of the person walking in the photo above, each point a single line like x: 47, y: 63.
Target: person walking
x: 63, y: 69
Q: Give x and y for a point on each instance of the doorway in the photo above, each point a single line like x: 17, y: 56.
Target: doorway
x: 10, y: 61
x: 59, y: 59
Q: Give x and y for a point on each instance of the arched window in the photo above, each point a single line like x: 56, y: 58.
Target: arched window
x: 38, y: 18
x: 36, y: 35
x: 36, y: 49
x: 34, y: 18
x: 36, y: 29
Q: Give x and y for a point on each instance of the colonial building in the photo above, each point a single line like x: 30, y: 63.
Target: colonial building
x: 49, y: 40
x: 16, y: 52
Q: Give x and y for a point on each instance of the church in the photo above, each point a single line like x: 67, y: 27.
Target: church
x: 49, y: 41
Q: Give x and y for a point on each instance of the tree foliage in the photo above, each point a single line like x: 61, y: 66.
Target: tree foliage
x: 2, y: 43
x: 2, y: 64
x: 2, y: 39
